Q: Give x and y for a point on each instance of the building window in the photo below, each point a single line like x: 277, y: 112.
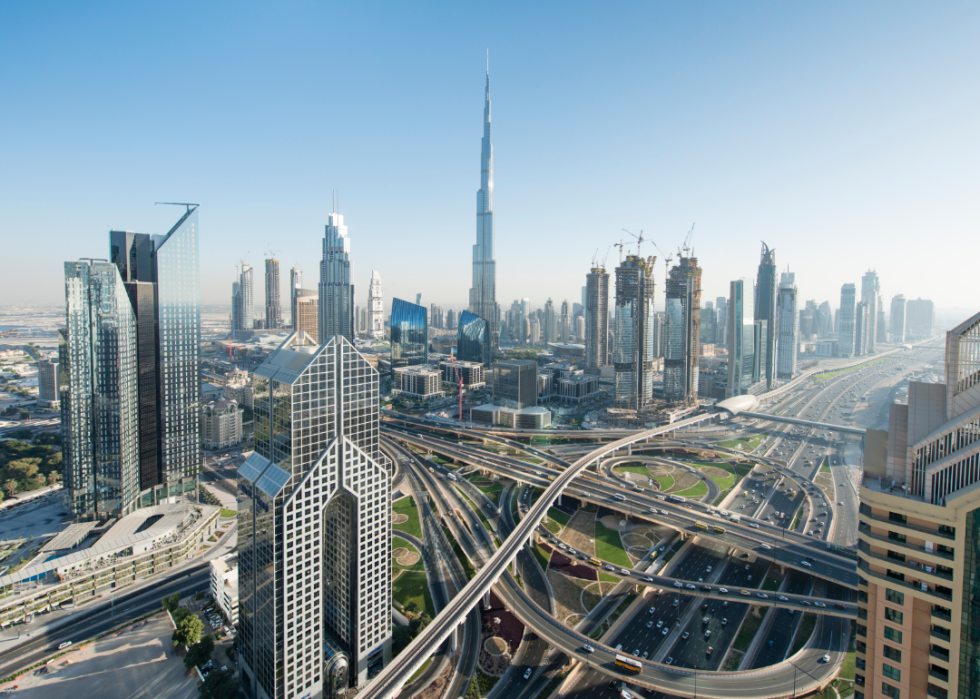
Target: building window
x: 890, y: 691
x: 895, y: 597
x: 895, y: 517
x: 892, y: 673
x: 894, y: 616
x: 893, y: 634
x: 893, y: 654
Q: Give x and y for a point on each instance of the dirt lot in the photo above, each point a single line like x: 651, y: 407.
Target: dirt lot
x: 501, y: 625
x: 572, y: 568
x: 137, y: 662
x: 579, y: 533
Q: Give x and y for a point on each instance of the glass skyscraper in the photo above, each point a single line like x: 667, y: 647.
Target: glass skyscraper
x: 483, y: 294
x: 409, y: 334
x: 634, y: 350
x: 682, y: 331
x: 314, y: 523
x: 473, y: 339
x: 765, y: 309
x: 336, y: 285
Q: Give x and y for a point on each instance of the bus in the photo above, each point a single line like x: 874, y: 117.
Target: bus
x: 551, y: 478
x: 701, y: 525
x: 734, y: 517
x: 451, y: 476
x: 720, y: 530
x: 627, y: 663
x: 595, y: 561
x: 676, y: 498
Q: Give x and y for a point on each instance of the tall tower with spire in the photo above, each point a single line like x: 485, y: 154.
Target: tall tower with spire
x: 483, y: 294
x: 336, y: 288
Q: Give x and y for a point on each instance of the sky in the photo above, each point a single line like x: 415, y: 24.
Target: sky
x: 842, y: 134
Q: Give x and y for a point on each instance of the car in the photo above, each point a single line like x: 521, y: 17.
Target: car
x: 652, y: 610
x: 725, y: 604
x: 804, y: 602
x: 64, y: 645
x: 669, y: 660
x: 650, y: 624
x: 588, y: 649
x: 762, y: 595
x: 709, y: 651
x: 724, y: 622
x: 750, y: 577
x: 825, y: 658
x: 723, y: 590
x: 676, y: 602
x: 666, y: 629
x: 624, y: 571
x: 660, y: 623
x: 705, y: 620
x: 840, y: 504
x: 636, y: 653
x: 840, y: 605
x: 818, y: 603
x: 806, y: 563
x: 527, y: 674
x: 707, y: 634
x: 645, y: 654
x: 700, y: 580
x: 745, y: 593
x: 783, y: 598
x: 685, y: 635
x: 709, y: 569
x: 660, y: 592
x: 563, y: 547
x: 678, y: 583
x: 706, y: 588
x: 770, y: 644
x: 647, y: 578
x: 689, y: 586
x: 609, y: 568
x: 767, y: 547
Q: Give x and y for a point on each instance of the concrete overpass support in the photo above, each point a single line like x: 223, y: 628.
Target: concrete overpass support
x: 558, y: 501
x: 486, y: 600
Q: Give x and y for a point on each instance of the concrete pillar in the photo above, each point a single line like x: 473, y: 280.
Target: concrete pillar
x: 629, y: 450
x: 558, y: 501
x: 486, y: 600
x: 457, y: 632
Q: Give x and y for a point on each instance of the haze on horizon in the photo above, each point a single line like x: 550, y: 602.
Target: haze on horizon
x: 843, y: 136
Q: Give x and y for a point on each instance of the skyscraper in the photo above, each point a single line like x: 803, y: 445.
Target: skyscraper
x: 565, y: 323
x: 596, y: 319
x: 898, y: 318
x: 243, y: 301
x: 376, y: 308
x: 765, y: 309
x: 550, y: 322
x: 336, y: 285
x: 409, y: 334
x: 737, y: 381
x: 682, y: 332
x: 788, y: 319
x: 870, y: 292
x: 295, y: 283
x: 273, y: 301
x: 633, y: 353
x: 483, y: 294
x: 846, y: 340
x: 473, y: 339
x: 314, y: 545
x: 921, y: 318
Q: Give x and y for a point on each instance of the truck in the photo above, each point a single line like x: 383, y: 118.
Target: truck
x: 676, y: 498
x: 734, y: 517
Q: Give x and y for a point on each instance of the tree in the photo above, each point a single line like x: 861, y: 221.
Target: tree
x: 220, y: 684
x: 188, y: 631
x: 48, y: 438
x: 24, y: 414
x: 10, y: 487
x: 171, y: 602
x: 200, y: 652
x: 54, y: 478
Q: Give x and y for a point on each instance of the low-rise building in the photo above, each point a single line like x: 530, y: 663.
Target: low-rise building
x: 471, y: 373
x: 533, y: 417
x: 577, y: 387
x: 224, y: 586
x: 419, y: 381
x: 221, y: 424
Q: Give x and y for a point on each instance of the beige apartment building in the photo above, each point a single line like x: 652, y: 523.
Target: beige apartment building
x: 918, y: 632
x: 308, y: 315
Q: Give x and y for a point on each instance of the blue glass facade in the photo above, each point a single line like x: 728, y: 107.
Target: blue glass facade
x: 409, y: 334
x: 473, y: 339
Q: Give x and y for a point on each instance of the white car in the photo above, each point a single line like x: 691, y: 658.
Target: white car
x: 806, y: 563
x: 678, y: 583
x: 709, y: 569
x: 767, y: 547
x: 527, y: 674
x: 825, y: 658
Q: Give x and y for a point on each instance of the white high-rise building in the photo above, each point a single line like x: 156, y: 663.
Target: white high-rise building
x: 596, y: 319
x: 483, y: 294
x: 847, y: 339
x: 295, y: 284
x: 314, y: 518
x: 336, y: 287
x: 870, y: 293
x: 788, y: 321
x: 376, y: 308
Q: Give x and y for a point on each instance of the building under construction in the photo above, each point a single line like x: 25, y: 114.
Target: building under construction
x: 596, y: 319
x: 682, y: 330
x: 633, y: 354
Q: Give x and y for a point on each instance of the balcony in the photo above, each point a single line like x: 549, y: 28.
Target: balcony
x: 937, y: 692
x: 865, y: 531
x: 939, y: 654
x: 945, y: 616
x: 940, y: 633
x: 932, y: 532
x: 889, y: 580
x: 866, y: 551
x: 939, y: 674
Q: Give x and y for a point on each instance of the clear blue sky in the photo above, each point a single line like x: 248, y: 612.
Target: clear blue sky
x: 843, y: 134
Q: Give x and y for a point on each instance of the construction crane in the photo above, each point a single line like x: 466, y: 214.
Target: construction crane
x: 687, y: 242
x: 459, y: 378
x: 639, y: 241
x: 620, y: 246
x: 606, y: 257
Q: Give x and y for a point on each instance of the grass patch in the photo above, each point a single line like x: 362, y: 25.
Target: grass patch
x: 733, y: 660
x: 483, y: 518
x: 225, y: 512
x: 623, y: 606
x: 543, y: 558
x: 847, y: 667
x: 673, y: 552
x: 633, y: 468
x: 468, y: 568
x: 406, y: 506
x: 826, y: 375
x: 796, y: 519
x: 609, y: 547
x: 773, y: 581
x: 750, y: 625
x: 606, y: 577
x: 399, y: 543
x: 558, y: 516
x: 418, y: 673
x: 552, y: 526
x: 666, y: 482
x: 596, y: 633
x: 824, y: 467
x: 804, y: 632
x: 724, y: 483
x: 412, y: 590
x: 699, y: 490
x: 747, y: 445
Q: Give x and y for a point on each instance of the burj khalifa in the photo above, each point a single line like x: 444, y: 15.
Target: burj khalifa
x: 483, y: 295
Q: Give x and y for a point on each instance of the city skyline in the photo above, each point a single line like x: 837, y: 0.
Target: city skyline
x: 899, y: 209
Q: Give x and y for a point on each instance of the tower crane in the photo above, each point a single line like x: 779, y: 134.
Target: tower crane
x: 459, y: 378
x: 606, y: 257
x: 620, y: 246
x: 639, y: 241
x: 687, y: 242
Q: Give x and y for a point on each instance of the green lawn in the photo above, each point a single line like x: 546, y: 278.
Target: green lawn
x: 773, y: 580
x: 609, y: 547
x: 412, y: 590
x: 492, y: 492
x: 747, y: 444
x: 824, y: 467
x: 606, y: 577
x: 700, y: 489
x: 399, y: 543
x: 847, y: 667
x: 406, y: 506
x: 225, y: 512
x: 633, y: 468
x: 725, y: 482
x: 804, y: 632
x: 542, y: 557
x: 666, y: 482
x: 463, y: 560
x: 558, y: 516
x: 745, y: 635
